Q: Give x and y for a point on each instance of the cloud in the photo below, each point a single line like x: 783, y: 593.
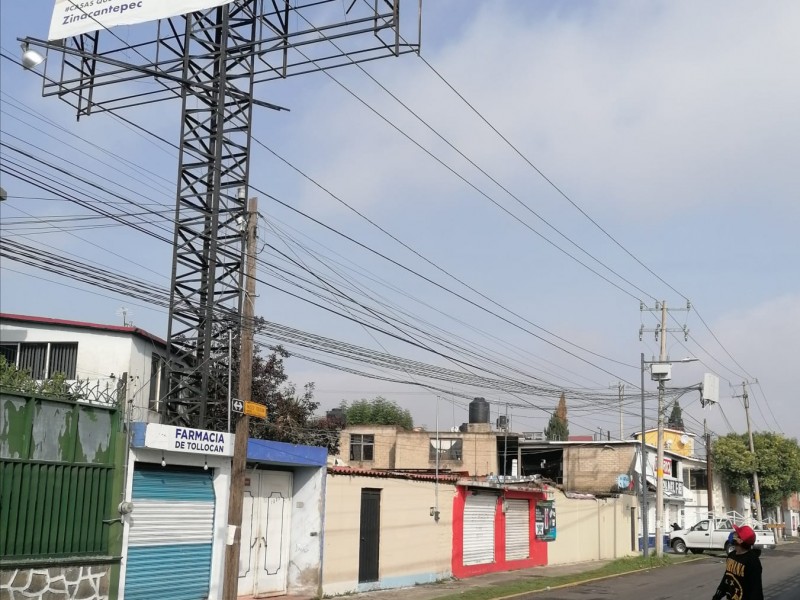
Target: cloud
x: 764, y: 339
x: 625, y: 105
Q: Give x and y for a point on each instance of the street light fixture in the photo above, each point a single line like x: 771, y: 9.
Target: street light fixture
x: 661, y: 371
x: 30, y: 58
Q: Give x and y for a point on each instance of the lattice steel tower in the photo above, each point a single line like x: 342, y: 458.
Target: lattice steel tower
x: 213, y: 60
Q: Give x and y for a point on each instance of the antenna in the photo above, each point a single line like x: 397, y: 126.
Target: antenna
x: 123, y: 312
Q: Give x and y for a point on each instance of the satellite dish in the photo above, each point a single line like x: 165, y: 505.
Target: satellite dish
x: 684, y: 439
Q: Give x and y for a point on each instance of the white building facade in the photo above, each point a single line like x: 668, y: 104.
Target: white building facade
x: 126, y: 363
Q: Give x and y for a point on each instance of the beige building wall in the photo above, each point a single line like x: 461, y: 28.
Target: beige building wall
x: 413, y: 547
x: 594, y: 468
x: 398, y: 449
x: 478, y: 451
x: 384, y: 449
x: 592, y: 529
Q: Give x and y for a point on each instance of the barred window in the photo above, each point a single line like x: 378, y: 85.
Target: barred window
x: 362, y: 447
x: 42, y: 360
x: 33, y: 359
x: 9, y: 351
x: 63, y: 359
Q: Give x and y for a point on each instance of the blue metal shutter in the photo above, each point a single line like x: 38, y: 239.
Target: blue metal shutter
x: 171, y: 535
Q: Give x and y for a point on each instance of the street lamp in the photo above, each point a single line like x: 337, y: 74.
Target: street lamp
x: 661, y: 371
x: 30, y: 58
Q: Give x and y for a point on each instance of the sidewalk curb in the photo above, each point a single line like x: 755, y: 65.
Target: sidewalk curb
x: 576, y: 583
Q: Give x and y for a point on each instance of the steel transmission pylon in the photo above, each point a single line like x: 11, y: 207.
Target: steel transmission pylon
x: 212, y: 60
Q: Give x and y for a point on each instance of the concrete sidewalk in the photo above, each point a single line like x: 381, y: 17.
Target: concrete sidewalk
x: 453, y: 586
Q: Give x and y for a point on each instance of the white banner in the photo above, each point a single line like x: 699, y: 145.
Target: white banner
x: 74, y: 17
x: 184, y: 439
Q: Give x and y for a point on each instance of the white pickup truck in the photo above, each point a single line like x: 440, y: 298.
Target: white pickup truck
x: 713, y: 534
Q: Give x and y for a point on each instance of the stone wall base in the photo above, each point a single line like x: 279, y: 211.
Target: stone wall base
x: 72, y: 582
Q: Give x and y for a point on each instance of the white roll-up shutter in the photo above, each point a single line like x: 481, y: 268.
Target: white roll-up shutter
x: 518, y: 527
x: 479, y: 511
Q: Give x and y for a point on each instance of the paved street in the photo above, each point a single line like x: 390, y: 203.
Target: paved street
x: 694, y: 580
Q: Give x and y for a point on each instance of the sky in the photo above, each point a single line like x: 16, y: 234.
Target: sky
x: 549, y: 169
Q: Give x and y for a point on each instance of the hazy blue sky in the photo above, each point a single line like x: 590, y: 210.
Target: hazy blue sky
x: 673, y: 125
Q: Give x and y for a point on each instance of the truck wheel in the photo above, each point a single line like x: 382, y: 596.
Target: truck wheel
x: 729, y: 548
x: 679, y: 546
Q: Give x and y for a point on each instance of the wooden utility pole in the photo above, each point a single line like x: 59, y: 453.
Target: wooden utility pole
x: 756, y: 489
x: 230, y: 582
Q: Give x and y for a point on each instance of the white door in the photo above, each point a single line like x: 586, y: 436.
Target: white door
x: 479, y: 511
x: 266, y: 513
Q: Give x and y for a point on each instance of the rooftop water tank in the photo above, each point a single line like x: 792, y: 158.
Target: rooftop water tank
x: 479, y: 411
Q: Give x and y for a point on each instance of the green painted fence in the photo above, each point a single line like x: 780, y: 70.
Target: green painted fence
x: 56, y: 476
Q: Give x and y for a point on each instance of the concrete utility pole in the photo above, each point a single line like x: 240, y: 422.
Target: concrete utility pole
x: 663, y: 374
x: 756, y: 489
x: 230, y: 582
x: 662, y: 357
x: 643, y: 486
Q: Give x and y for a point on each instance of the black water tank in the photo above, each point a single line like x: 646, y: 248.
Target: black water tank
x: 479, y: 411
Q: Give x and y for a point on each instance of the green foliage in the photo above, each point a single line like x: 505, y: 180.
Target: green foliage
x: 777, y: 459
x: 558, y: 427
x: 675, y: 420
x: 378, y: 411
x: 21, y: 381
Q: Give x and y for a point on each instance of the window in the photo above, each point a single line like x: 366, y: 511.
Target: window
x: 158, y: 381
x: 63, y: 359
x: 362, y: 447
x: 33, y: 358
x: 449, y: 449
x: 42, y: 360
x: 9, y: 351
x: 698, y: 480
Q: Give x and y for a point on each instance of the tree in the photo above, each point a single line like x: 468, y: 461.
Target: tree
x: 378, y: 411
x: 675, y: 420
x: 777, y: 462
x: 558, y: 428
x: 290, y: 415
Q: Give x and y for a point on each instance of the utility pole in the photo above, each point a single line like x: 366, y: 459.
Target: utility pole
x: 230, y: 582
x: 756, y: 489
x: 709, y: 472
x: 662, y: 357
x: 621, y: 391
x: 644, y: 508
x: 662, y: 376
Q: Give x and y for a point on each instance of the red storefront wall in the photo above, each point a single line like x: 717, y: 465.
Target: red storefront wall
x: 538, y: 549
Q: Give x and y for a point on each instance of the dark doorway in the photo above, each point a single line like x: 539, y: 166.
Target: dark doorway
x: 370, y: 535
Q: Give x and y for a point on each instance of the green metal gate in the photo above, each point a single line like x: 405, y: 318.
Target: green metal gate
x: 56, y: 476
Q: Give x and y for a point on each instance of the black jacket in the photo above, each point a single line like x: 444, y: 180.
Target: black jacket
x: 742, y: 579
